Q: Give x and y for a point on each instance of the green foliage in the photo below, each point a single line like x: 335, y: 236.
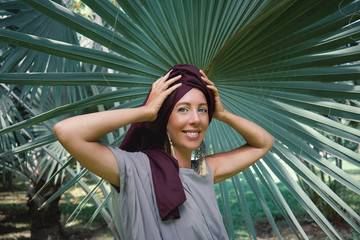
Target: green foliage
x: 290, y: 66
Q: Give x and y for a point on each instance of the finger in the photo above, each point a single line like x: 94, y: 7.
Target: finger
x: 203, y: 74
x: 164, y: 85
x: 161, y: 80
x: 204, y: 77
x: 172, y: 80
x: 214, y: 90
x: 206, y: 80
x: 166, y: 76
x: 156, y: 83
x: 171, y: 89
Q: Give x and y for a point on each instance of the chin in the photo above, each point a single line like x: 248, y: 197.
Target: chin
x: 193, y: 147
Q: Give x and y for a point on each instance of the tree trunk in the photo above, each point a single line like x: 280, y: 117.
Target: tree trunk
x: 45, y: 223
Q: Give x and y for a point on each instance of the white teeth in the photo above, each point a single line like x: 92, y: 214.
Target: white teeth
x: 192, y: 133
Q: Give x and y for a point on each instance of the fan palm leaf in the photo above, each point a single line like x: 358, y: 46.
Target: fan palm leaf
x: 37, y: 162
x: 290, y: 66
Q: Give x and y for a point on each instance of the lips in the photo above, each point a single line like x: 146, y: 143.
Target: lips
x: 192, y: 134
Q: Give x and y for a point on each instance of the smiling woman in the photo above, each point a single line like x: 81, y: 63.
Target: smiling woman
x: 158, y: 193
x: 187, y: 125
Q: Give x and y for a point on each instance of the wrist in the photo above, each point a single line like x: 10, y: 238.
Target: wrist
x: 222, y: 116
x: 148, y: 114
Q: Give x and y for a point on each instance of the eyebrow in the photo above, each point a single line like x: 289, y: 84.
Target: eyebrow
x: 187, y: 103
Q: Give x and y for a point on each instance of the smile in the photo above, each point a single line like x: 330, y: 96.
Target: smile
x: 192, y: 134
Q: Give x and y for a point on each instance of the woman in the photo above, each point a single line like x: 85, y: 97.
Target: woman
x: 159, y: 195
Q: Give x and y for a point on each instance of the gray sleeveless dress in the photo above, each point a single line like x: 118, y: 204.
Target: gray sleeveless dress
x: 136, y: 211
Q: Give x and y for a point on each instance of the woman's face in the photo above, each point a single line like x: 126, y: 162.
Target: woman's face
x: 188, y: 121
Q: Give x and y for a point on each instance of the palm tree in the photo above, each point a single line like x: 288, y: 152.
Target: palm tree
x: 290, y: 66
x: 37, y: 166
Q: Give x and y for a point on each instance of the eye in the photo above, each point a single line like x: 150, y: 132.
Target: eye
x: 203, y: 110
x: 182, y: 109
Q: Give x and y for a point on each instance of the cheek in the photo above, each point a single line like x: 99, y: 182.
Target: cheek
x: 205, y: 121
x: 173, y: 124
x: 204, y: 124
x: 175, y: 121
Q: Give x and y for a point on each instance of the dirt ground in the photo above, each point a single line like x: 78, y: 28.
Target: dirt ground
x: 15, y: 220
x: 10, y: 230
x: 313, y: 231
x: 79, y: 232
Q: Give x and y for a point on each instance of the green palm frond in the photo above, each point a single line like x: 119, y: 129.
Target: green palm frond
x: 33, y: 152
x: 290, y: 66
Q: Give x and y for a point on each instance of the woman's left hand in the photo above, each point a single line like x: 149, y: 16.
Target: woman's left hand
x: 219, y: 111
x: 258, y: 141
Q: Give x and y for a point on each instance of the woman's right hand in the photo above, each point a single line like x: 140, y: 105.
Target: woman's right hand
x: 79, y: 134
x: 159, y: 92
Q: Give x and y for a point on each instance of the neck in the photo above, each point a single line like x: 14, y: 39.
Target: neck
x: 184, y: 159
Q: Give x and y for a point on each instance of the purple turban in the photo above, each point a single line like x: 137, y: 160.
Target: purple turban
x: 149, y: 137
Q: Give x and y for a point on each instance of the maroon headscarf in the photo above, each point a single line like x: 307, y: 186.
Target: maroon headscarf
x: 149, y: 137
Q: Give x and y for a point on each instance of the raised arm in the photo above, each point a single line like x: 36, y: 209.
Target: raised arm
x: 79, y: 134
x: 258, y: 142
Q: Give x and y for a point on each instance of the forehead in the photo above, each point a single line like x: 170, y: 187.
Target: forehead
x: 194, y: 96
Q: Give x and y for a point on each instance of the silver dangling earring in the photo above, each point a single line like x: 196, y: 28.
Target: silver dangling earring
x: 172, y: 150
x: 200, y: 163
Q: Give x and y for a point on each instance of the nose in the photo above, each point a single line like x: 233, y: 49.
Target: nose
x: 195, y: 117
